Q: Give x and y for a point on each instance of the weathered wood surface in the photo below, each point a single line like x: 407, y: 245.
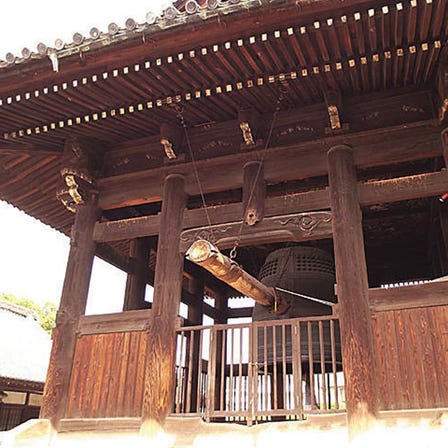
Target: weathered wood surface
x: 296, y: 227
x: 72, y: 306
x: 352, y: 291
x: 304, y: 124
x: 108, y: 375
x: 160, y: 374
x: 254, y: 192
x: 407, y: 297
x: 137, y: 320
x: 298, y: 161
x: 375, y: 192
x: 412, y: 357
x: 134, y: 294
x: 206, y: 255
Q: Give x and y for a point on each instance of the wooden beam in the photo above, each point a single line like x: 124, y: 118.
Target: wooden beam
x: 375, y: 192
x: 352, y: 290
x: 71, y: 308
x: 160, y: 371
x: 137, y: 320
x: 294, y: 227
x: 407, y: 297
x: 234, y: 313
x: 299, y: 161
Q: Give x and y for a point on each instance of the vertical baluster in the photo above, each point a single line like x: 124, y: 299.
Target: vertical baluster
x: 256, y: 405
x: 211, y: 373
x: 296, y: 346
x: 191, y: 339
x: 251, y: 378
x: 200, y: 390
x: 223, y: 357
x: 265, y: 368
x: 179, y: 381
x: 284, y: 366
x: 322, y: 365
x: 311, y: 366
x: 231, y: 401
x: 333, y: 365
x: 240, y: 371
x: 274, y: 367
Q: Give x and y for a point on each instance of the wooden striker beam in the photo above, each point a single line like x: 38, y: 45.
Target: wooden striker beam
x: 204, y: 254
x: 352, y: 290
x: 160, y: 372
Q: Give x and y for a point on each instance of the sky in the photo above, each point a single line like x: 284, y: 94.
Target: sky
x: 32, y: 255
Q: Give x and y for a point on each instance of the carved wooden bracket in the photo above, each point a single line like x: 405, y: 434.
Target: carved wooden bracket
x: 442, y: 89
x: 171, y: 137
x: 81, y: 160
x: 295, y: 227
x: 333, y: 102
x: 249, y: 121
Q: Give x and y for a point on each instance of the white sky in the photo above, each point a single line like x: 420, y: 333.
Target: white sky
x: 33, y: 256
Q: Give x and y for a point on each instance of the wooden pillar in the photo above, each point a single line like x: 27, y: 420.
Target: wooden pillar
x: 254, y: 192
x: 444, y: 137
x: 72, y: 306
x: 160, y: 373
x: 352, y: 289
x: 195, y: 316
x: 134, y: 295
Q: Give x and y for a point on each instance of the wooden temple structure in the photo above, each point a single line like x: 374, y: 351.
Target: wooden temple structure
x: 255, y: 126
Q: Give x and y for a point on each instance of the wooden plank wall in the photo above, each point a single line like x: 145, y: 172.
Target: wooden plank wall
x: 108, y: 375
x: 412, y: 356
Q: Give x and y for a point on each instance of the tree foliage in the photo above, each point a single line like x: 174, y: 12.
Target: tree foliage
x: 46, y: 313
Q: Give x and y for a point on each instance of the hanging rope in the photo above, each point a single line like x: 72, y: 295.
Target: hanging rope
x: 181, y: 117
x: 233, y: 252
x: 303, y: 296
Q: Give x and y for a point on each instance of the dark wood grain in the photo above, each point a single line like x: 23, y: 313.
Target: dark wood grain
x: 160, y: 373
x: 370, y: 193
x: 352, y: 291
x: 72, y: 306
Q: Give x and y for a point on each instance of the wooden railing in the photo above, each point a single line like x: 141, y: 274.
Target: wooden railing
x: 261, y: 370
x: 267, y: 370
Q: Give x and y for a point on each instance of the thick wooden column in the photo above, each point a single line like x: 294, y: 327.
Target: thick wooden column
x: 134, y: 295
x: 444, y: 137
x: 160, y: 374
x: 72, y: 306
x: 195, y: 316
x: 352, y: 290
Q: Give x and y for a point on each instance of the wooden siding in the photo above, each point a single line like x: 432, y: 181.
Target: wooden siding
x: 108, y: 375
x: 412, y: 357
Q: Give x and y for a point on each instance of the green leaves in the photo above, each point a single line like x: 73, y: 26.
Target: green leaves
x: 46, y: 313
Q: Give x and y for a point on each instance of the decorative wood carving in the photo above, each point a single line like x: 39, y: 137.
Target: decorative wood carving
x: 249, y: 122
x: 81, y: 161
x: 171, y: 139
x: 296, y: 227
x: 442, y: 88
x: 333, y: 102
